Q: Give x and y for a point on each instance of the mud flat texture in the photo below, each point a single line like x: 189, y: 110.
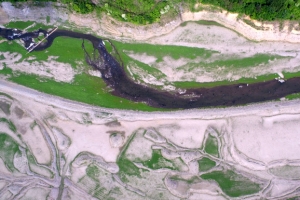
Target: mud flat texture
x: 28, y: 12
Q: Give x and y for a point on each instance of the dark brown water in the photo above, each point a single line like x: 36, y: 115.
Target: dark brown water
x: 115, y: 77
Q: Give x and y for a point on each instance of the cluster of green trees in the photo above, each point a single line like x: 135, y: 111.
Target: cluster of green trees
x: 138, y: 11
x: 261, y: 9
x: 80, y: 6
x: 31, y: 1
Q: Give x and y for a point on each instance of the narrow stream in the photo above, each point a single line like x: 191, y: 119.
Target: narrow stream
x: 114, y: 76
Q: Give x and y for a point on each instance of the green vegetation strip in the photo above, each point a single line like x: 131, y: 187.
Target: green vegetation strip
x: 92, y: 171
x: 158, y: 161
x: 192, y: 84
x: 127, y: 167
x: 233, y: 184
x: 135, y: 11
x: 92, y: 90
x: 177, y: 52
x: 160, y: 51
x: 206, y: 164
x: 238, y: 63
x: 211, y: 146
x: 85, y: 88
x: 261, y: 9
x: 8, y: 148
x: 24, y: 24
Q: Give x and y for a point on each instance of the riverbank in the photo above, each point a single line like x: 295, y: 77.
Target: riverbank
x: 270, y: 60
x: 280, y: 31
x: 284, y: 31
x: 115, y: 77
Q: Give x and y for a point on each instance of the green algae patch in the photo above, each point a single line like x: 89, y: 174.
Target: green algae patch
x: 158, y: 161
x: 211, y: 146
x: 294, y: 198
x: 19, y: 24
x: 127, y: 168
x: 8, y: 148
x: 293, y: 96
x: 92, y: 171
x: 206, y: 164
x: 192, y: 180
x: 160, y: 51
x: 233, y: 184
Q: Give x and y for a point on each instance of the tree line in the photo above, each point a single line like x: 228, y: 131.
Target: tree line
x: 149, y: 11
x: 268, y: 10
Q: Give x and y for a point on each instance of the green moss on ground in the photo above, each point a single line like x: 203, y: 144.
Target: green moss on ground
x: 24, y: 24
x: 8, y: 148
x: 233, y: 184
x: 92, y: 171
x: 160, y: 51
x: 206, y: 164
x: 127, y: 167
x: 158, y: 161
x: 211, y: 146
x: 85, y: 88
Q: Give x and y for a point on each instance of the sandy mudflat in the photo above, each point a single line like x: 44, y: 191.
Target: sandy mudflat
x: 60, y: 72
x: 254, y: 137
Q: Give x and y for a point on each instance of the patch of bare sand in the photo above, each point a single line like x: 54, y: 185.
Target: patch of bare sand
x: 147, y: 59
x: 171, y: 68
x: 3, y: 17
x: 50, y: 68
x: 143, y: 75
x: 168, y: 66
x: 95, y: 73
x: 270, y: 143
x: 109, y: 27
x: 92, y: 21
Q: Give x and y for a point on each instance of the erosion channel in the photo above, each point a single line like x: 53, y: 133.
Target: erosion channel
x: 113, y: 74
